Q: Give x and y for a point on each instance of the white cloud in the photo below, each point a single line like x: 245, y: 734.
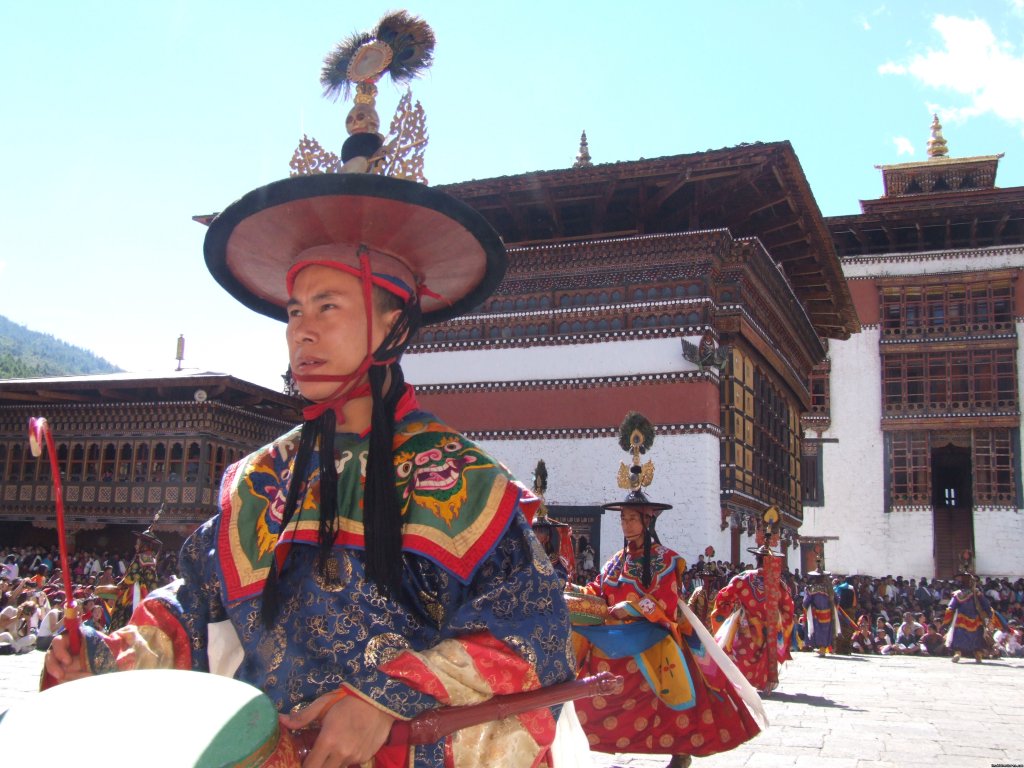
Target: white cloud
x: 974, y: 64
x: 903, y: 145
x: 879, y: 11
x: 892, y: 68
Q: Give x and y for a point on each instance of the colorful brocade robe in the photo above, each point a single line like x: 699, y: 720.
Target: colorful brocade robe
x: 700, y: 603
x: 966, y: 616
x: 139, y: 580
x: 740, y: 621
x: 676, y: 699
x: 480, y: 613
x: 822, y: 617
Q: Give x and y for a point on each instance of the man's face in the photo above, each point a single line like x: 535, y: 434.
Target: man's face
x: 632, y: 523
x: 327, y: 327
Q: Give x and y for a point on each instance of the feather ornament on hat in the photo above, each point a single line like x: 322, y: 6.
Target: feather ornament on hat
x: 402, y: 45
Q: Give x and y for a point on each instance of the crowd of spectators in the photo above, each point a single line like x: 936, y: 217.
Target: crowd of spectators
x: 32, y: 593
x: 887, y: 615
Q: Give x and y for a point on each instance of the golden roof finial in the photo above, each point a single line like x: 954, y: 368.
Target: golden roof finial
x: 583, y: 158
x: 937, y: 144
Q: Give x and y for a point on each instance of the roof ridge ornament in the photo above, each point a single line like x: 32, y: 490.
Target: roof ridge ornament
x: 583, y: 158
x: 937, y: 144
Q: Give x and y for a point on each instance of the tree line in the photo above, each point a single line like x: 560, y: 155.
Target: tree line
x: 26, y: 354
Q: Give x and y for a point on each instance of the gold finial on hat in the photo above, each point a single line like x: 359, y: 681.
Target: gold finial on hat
x: 402, y: 47
x: 540, y: 487
x: 636, y: 435
x: 768, y: 529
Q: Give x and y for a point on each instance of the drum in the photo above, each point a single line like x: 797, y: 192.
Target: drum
x: 586, y: 609
x: 150, y: 717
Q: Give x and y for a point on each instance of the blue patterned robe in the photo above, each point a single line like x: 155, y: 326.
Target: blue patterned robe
x: 478, y: 592
x: 822, y: 621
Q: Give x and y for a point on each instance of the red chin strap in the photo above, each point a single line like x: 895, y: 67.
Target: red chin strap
x: 352, y: 385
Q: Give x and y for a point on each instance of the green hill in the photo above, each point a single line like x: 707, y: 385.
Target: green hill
x: 26, y: 354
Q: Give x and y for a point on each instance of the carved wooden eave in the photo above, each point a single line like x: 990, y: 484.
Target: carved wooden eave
x: 934, y: 174
x: 733, y: 286
x: 753, y: 190
x: 931, y: 222
x: 135, y: 388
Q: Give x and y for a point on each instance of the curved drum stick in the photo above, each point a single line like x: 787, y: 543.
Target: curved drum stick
x: 38, y: 435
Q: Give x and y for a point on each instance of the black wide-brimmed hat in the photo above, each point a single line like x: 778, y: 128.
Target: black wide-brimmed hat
x: 636, y: 499
x: 764, y: 549
x: 411, y: 232
x: 543, y: 521
x: 148, y: 538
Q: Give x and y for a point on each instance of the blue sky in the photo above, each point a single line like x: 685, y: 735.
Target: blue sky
x: 121, y: 120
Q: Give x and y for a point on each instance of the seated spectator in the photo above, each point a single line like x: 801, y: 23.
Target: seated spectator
x: 18, y: 628
x: 908, y: 637
x: 106, y: 578
x: 9, y: 570
x: 863, y: 640
x: 51, y: 624
x: 884, y: 635
x: 934, y: 642
x: 1014, y: 643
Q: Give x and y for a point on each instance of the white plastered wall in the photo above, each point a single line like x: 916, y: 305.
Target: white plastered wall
x: 582, y: 472
x: 901, y: 542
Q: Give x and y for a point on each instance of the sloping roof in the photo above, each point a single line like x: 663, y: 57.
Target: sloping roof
x: 967, y: 218
x: 148, y: 387
x: 753, y: 190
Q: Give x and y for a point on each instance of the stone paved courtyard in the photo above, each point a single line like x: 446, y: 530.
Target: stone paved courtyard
x: 836, y: 712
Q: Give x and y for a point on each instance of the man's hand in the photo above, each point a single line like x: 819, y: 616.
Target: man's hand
x: 351, y: 731
x: 61, y: 665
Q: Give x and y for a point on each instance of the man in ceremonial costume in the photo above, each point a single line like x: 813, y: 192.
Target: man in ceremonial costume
x: 395, y: 570
x: 967, y: 615
x: 679, y: 698
x: 555, y: 537
x: 753, y: 616
x: 702, y: 599
x: 845, y: 595
x: 820, y: 610
x: 140, y: 578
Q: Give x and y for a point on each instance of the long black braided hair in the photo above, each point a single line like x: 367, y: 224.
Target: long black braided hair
x: 382, y: 514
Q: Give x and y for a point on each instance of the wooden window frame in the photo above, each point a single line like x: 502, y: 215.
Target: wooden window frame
x: 943, y: 308
x: 976, y: 380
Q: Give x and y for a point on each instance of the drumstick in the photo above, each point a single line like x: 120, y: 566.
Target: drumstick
x: 434, y: 724
x: 38, y: 433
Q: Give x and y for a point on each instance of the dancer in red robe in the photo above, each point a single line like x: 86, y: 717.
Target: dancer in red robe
x: 753, y: 620
x: 682, y: 696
